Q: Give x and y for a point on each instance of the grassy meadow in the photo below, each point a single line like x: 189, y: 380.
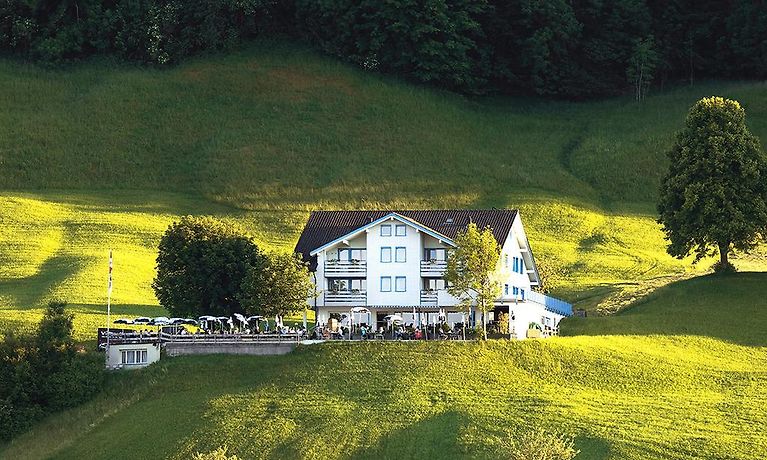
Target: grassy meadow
x: 730, y: 308
x: 621, y: 397
x: 676, y: 377
x: 101, y: 155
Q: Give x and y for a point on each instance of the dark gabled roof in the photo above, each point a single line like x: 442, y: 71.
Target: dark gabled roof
x: 326, y: 226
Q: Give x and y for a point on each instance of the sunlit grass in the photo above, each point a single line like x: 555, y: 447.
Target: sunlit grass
x: 101, y: 156
x: 447, y: 400
x: 730, y: 307
x: 60, y: 249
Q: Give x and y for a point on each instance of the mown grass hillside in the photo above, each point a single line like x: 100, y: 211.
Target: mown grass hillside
x: 99, y: 156
x: 426, y: 400
x: 726, y: 307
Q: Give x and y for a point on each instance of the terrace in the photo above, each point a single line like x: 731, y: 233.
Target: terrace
x: 353, y: 297
x: 433, y: 268
x: 353, y: 267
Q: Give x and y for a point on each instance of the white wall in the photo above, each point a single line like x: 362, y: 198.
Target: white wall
x: 411, y: 269
x: 510, y: 250
x: 528, y: 312
x: 114, y: 355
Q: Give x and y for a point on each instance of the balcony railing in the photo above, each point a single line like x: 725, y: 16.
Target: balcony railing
x: 428, y: 297
x: 346, y: 267
x: 433, y: 267
x: 554, y: 305
x: 352, y: 298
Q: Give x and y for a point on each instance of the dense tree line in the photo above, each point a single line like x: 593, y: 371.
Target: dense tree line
x: 557, y: 48
x: 44, y: 372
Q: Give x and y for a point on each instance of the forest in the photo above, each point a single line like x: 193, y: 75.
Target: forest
x: 564, y: 49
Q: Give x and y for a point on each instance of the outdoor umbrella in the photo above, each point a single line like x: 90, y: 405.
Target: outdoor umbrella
x: 241, y: 318
x: 391, y: 319
x: 357, y: 310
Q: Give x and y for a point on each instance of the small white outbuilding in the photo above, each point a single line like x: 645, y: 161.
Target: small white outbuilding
x: 132, y: 355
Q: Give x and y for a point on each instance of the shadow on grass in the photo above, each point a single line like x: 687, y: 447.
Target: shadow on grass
x: 726, y: 307
x: 27, y: 291
x: 422, y: 439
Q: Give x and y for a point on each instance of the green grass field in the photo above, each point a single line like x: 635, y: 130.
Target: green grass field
x: 682, y: 375
x: 665, y: 392
x: 101, y: 156
x: 729, y: 307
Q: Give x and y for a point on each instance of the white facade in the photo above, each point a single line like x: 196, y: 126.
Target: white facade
x: 394, y: 265
x: 132, y: 355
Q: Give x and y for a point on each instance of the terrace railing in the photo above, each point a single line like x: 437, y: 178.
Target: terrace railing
x: 554, y: 305
x: 231, y: 338
x: 429, y: 298
x: 346, y: 268
x: 433, y: 267
x: 352, y: 298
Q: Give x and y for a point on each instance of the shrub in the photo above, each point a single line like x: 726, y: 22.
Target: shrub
x: 44, y: 372
x: 218, y: 454
x: 537, y: 445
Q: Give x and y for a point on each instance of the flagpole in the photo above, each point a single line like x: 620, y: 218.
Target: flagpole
x: 109, y: 300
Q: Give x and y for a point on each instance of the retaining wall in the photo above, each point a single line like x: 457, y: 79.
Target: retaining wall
x: 202, y: 348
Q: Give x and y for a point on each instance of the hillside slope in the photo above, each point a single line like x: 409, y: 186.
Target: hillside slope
x: 427, y: 400
x: 691, y: 384
x: 98, y: 157
x: 727, y: 307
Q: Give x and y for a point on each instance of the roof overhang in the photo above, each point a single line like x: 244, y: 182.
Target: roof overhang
x: 390, y: 216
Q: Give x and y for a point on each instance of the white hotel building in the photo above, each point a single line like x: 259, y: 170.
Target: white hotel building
x: 393, y: 262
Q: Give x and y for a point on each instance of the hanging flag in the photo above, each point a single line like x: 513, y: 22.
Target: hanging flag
x: 110, y: 272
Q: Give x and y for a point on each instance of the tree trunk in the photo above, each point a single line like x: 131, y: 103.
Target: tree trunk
x: 724, y: 249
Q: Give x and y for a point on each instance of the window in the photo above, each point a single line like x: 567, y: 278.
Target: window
x: 521, y: 265
x: 385, y: 230
x: 346, y: 285
x: 505, y: 289
x: 515, y: 262
x: 434, y: 284
x: 522, y: 293
x: 435, y: 254
x: 349, y: 254
x: 400, y: 230
x: 386, y: 254
x: 515, y: 291
x: 386, y: 284
x: 400, y: 255
x: 134, y: 357
x: 506, y: 260
x: 400, y: 284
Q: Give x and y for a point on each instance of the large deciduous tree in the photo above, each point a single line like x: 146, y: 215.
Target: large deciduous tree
x: 715, y: 192
x: 201, y: 265
x: 471, y: 268
x: 279, y: 285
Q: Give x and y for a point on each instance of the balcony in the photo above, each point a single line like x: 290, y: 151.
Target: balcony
x: 429, y: 298
x: 551, y: 304
x: 346, y: 298
x: 433, y: 268
x: 346, y: 268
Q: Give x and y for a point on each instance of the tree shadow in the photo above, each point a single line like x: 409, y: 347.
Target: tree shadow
x: 724, y: 307
x: 29, y: 291
x: 422, y: 439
